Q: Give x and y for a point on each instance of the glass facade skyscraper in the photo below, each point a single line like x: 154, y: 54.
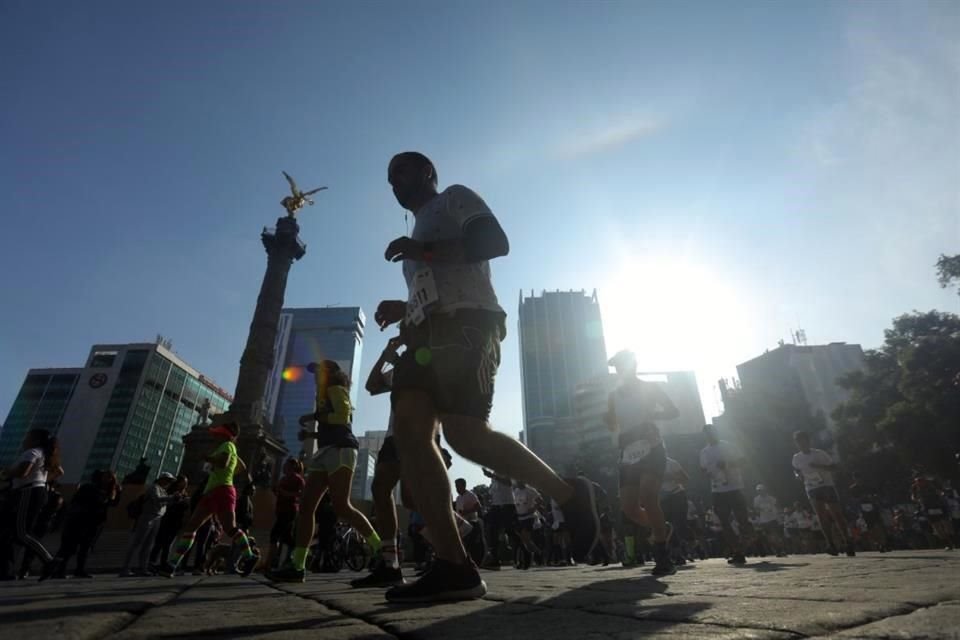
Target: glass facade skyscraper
x: 305, y: 336
x: 130, y: 401
x: 561, y: 346
x: 41, y: 403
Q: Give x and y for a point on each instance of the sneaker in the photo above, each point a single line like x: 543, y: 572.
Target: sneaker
x: 491, y: 565
x: 287, y: 573
x: 382, y: 576
x: 851, y: 552
x: 580, y: 514
x: 246, y: 565
x: 833, y: 551
x: 53, y: 569
x: 167, y: 570
x: 444, y: 581
x: 738, y: 560
x: 126, y: 573
x: 664, y: 567
x: 82, y: 574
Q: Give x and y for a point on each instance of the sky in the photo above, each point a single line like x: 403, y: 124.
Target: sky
x: 722, y: 173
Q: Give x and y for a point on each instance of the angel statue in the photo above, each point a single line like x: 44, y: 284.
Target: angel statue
x: 298, y: 199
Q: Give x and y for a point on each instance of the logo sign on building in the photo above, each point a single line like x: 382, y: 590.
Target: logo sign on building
x: 97, y: 380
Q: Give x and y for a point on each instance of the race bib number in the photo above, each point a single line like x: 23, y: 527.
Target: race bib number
x: 866, y: 507
x: 636, y: 451
x: 423, y: 294
x: 718, y: 481
x: 934, y: 512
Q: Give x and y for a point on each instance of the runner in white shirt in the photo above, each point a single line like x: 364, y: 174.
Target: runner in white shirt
x: 452, y: 325
x: 815, y: 467
x: 768, y: 521
x: 468, y: 507
x: 526, y: 498
x: 722, y: 462
x: 634, y: 407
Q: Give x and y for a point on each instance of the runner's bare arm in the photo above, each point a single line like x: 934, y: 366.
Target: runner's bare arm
x: 668, y: 410
x: 483, y: 239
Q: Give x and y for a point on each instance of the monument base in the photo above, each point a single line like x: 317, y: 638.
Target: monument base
x: 260, y: 451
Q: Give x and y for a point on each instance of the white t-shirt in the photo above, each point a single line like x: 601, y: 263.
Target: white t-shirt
x: 526, y: 501
x: 457, y: 285
x: 813, y: 478
x: 468, y: 500
x: 766, y: 507
x: 669, y: 485
x: 729, y: 478
x: 501, y: 493
x: 691, y: 510
x: 37, y: 477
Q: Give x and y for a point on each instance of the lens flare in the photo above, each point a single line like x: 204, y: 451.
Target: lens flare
x: 292, y: 374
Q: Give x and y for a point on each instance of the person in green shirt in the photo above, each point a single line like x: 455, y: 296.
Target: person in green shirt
x: 330, y: 469
x: 219, y: 500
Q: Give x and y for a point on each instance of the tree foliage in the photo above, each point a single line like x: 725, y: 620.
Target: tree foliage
x: 904, y: 408
x: 948, y: 271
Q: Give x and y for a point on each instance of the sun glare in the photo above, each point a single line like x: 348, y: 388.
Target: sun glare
x: 677, y: 315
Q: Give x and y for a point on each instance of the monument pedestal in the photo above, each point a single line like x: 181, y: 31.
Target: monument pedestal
x: 260, y: 451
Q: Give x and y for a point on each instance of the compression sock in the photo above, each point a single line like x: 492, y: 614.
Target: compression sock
x: 182, y: 548
x: 630, y: 548
x: 374, y: 541
x: 299, y: 558
x: 240, y: 539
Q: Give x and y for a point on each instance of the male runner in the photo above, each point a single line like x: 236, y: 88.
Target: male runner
x: 815, y: 467
x: 633, y: 409
x: 501, y: 519
x: 468, y: 507
x: 452, y: 326
x: 869, y: 504
x: 722, y: 462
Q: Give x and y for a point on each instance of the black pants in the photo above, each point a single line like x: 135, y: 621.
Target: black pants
x: 79, y: 533
x: 732, y: 503
x: 161, y: 546
x: 19, y: 521
x: 501, y: 518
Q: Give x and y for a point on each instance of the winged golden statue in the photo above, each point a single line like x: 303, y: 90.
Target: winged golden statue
x: 297, y: 199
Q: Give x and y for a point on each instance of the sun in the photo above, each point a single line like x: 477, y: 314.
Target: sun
x: 676, y: 315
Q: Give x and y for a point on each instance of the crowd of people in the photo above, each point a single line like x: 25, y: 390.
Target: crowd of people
x: 440, y: 370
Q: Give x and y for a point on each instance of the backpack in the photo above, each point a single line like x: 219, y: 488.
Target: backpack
x: 135, y: 507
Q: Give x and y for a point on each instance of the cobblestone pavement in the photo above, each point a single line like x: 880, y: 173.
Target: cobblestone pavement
x: 896, y: 595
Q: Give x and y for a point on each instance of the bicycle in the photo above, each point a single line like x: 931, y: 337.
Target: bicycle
x: 347, y: 547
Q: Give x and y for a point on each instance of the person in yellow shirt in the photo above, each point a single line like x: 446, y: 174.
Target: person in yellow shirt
x: 220, y: 500
x: 331, y: 468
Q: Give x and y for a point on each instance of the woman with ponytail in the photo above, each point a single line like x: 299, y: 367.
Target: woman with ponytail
x: 39, y: 463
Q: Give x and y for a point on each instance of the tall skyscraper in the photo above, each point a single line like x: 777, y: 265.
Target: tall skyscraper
x: 129, y: 401
x: 305, y: 336
x: 561, y: 346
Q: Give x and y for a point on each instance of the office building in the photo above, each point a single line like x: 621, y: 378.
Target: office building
x: 802, y: 371
x: 129, y: 401
x: 561, y: 346
x: 305, y: 336
x: 362, y: 487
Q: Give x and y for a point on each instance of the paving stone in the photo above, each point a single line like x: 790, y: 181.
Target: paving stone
x: 939, y: 622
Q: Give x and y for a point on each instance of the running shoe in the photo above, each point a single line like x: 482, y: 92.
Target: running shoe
x: 382, y: 576
x: 738, y: 560
x: 246, y: 565
x: 851, y: 551
x: 167, y: 570
x: 287, y: 573
x: 580, y: 514
x: 444, y: 581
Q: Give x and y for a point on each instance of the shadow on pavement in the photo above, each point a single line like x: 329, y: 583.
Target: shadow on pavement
x: 771, y: 566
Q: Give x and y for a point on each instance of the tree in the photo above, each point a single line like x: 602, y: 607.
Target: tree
x: 904, y: 408
x: 948, y: 271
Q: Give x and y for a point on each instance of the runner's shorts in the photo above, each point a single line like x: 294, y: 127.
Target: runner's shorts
x: 329, y: 459
x: 454, y: 358
x: 655, y: 463
x: 824, y: 494
x: 220, y: 499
